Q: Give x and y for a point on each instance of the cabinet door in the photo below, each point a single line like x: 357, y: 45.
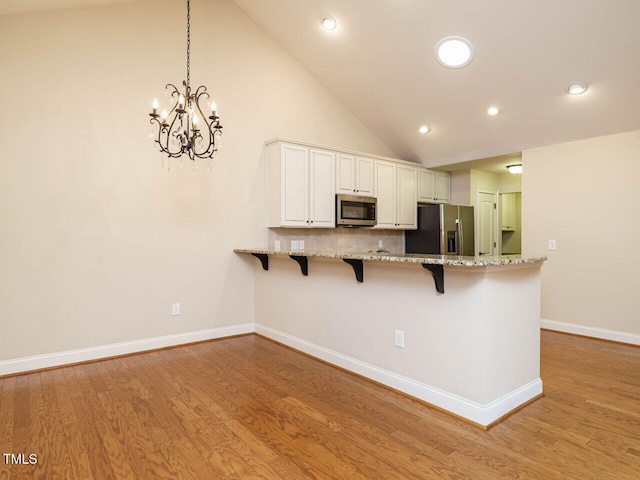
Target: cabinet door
x: 508, y: 206
x: 364, y: 176
x: 321, y: 189
x: 407, y: 206
x: 426, y: 185
x: 385, y: 182
x: 442, y: 193
x: 295, y: 186
x: 345, y: 173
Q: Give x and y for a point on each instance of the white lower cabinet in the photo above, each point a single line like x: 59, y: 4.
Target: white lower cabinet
x: 395, y: 189
x: 301, y: 186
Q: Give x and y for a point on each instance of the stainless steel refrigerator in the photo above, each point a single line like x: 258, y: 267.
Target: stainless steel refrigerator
x: 443, y: 229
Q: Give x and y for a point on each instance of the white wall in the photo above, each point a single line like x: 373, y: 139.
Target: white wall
x: 585, y: 196
x: 473, y: 350
x: 96, y: 240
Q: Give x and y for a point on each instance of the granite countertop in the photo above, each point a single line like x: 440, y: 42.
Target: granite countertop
x: 448, y: 260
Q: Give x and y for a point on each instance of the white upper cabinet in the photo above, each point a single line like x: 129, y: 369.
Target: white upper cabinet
x: 396, y: 193
x: 426, y: 185
x: 385, y: 179
x: 303, y: 180
x: 443, y: 187
x: 433, y: 187
x: 322, y: 212
x: 301, y: 186
x: 508, y: 208
x: 407, y: 207
x: 354, y: 174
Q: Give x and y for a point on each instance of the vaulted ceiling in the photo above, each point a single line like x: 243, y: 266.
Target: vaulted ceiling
x: 380, y: 63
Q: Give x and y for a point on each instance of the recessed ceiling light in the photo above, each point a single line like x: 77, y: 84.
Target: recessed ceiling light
x: 454, y: 52
x: 493, y: 110
x: 424, y: 129
x: 576, y: 88
x: 515, y: 169
x: 329, y: 23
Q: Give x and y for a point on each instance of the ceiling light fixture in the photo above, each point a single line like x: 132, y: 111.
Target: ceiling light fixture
x: 454, y: 52
x: 186, y: 130
x: 424, y: 129
x: 515, y: 169
x: 493, y: 111
x: 329, y: 23
x: 577, y: 88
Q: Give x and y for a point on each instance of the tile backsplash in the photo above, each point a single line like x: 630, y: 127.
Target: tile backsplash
x: 358, y: 240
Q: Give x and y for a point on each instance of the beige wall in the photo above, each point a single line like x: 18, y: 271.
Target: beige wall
x: 509, y: 183
x: 585, y: 196
x: 482, y: 181
x: 461, y: 187
x: 464, y: 184
x: 96, y: 240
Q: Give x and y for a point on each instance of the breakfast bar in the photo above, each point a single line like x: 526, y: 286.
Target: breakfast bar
x: 434, y: 263
x: 473, y: 351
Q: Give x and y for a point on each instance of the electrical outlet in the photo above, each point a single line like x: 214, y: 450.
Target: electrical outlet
x: 380, y: 244
x: 295, y: 245
x: 400, y: 338
x: 277, y: 245
x: 175, y: 309
x: 301, y: 244
x: 552, y: 244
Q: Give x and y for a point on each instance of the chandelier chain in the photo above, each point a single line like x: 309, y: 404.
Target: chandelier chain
x: 188, y: 41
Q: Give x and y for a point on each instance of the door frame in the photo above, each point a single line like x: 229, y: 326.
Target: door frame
x: 495, y: 223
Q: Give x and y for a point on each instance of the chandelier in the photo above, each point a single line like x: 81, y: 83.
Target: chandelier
x: 185, y: 129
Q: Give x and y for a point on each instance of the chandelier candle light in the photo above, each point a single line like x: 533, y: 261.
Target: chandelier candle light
x: 186, y: 130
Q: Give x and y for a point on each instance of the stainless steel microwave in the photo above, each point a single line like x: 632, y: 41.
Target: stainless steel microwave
x: 355, y: 211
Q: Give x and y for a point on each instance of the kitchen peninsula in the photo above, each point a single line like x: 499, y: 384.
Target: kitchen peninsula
x: 473, y: 351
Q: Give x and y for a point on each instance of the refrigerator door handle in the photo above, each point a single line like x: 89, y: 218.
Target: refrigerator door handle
x: 460, y: 237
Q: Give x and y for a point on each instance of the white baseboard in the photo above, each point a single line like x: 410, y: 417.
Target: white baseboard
x: 601, y: 333
x: 37, y: 362
x: 481, y: 414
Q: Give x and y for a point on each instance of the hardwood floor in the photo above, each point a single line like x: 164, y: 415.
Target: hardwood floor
x: 248, y: 408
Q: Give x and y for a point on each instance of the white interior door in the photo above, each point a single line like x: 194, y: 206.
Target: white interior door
x: 486, y: 204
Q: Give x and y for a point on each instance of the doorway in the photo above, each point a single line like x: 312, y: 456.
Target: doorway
x: 487, y: 222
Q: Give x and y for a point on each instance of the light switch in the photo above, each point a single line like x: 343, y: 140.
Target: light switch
x: 552, y: 244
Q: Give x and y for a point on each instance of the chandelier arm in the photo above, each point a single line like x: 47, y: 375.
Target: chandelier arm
x: 173, y: 132
x: 199, y: 93
x: 203, y: 92
x: 212, y: 139
x: 175, y: 92
x: 153, y: 120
